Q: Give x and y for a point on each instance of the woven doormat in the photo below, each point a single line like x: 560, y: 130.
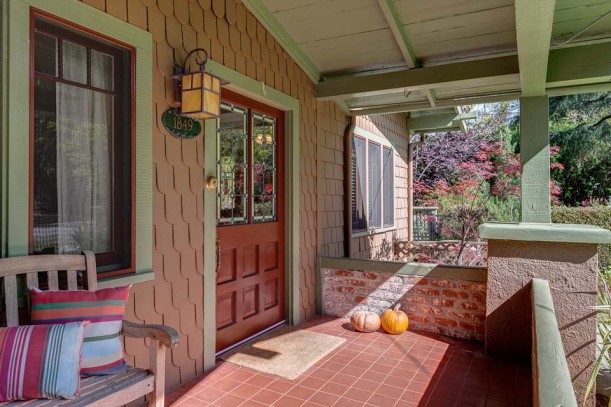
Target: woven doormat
x: 286, y: 352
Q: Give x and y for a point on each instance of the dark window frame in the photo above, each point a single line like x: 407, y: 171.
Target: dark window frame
x: 362, y: 225
x: 121, y: 260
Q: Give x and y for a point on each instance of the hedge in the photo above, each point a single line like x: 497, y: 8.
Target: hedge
x: 597, y: 216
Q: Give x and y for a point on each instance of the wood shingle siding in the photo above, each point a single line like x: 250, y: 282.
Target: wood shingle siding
x: 234, y: 38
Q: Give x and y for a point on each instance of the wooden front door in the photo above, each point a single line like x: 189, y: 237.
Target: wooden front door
x: 250, y: 219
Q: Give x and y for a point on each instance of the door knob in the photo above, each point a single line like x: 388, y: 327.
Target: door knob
x: 211, y: 182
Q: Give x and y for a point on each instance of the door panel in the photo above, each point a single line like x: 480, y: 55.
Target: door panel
x: 250, y: 220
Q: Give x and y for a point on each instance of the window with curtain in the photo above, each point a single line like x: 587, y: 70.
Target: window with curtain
x: 81, y: 186
x: 372, y: 172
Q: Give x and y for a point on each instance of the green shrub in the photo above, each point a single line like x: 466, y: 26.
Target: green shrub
x: 595, y: 215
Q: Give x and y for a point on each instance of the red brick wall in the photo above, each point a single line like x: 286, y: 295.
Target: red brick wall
x: 446, y: 306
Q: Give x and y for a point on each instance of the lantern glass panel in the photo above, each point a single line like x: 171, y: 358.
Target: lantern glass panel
x: 191, y: 101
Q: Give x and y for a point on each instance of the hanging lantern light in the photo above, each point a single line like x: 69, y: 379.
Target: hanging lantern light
x: 200, y: 91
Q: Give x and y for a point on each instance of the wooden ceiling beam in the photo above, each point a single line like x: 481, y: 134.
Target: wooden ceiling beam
x: 438, y: 121
x: 534, y: 19
x: 428, y: 77
x: 396, y: 26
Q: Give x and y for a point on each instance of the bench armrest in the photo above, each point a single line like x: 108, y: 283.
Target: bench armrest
x: 164, y: 334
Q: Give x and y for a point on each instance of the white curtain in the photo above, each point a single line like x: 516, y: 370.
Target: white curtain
x: 84, y: 156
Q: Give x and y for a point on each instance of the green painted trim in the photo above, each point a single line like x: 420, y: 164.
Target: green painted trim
x: 534, y: 20
x: 473, y: 274
x: 209, y: 280
x: 344, y: 107
x: 292, y: 225
x: 256, y: 90
x: 272, y: 25
x: 319, y: 299
x: 550, y: 368
x: 428, y: 77
x: 3, y: 124
x: 374, y: 231
x: 18, y: 95
x: 396, y: 26
x: 130, y: 279
x: 545, y: 232
x: 17, y: 129
x: 252, y: 88
x: 581, y: 65
x: 438, y: 121
x: 382, y: 140
x: 534, y: 155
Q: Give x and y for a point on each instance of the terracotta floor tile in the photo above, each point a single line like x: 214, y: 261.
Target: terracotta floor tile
x: 323, y: 374
x: 209, y: 395
x: 288, y: 401
x: 324, y: 399
x: 343, y: 378
x: 358, y: 394
x: 373, y: 369
x: 375, y: 376
x: 301, y: 392
x: 353, y: 371
x: 334, y: 388
x: 252, y: 403
x: 259, y: 381
x: 266, y: 397
x: 345, y: 402
x: 381, y: 400
x: 245, y: 390
x: 190, y: 402
x: 396, y: 381
x: 312, y: 382
x: 365, y: 384
x: 390, y: 391
x: 280, y: 386
x: 229, y: 400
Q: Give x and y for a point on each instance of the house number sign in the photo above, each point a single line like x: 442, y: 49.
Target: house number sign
x: 180, y: 126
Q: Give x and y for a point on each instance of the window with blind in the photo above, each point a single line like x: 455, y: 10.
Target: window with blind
x: 372, y: 173
x: 82, y: 154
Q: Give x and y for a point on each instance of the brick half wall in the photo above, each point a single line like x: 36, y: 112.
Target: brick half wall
x: 449, y: 301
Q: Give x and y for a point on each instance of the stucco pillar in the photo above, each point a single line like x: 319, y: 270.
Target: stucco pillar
x: 534, y: 155
x: 564, y: 255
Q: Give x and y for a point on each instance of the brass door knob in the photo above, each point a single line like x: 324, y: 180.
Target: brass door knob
x: 211, y: 182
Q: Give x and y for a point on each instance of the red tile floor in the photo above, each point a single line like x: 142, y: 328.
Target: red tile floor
x: 375, y: 369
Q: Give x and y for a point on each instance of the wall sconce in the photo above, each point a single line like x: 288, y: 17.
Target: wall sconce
x: 199, y: 92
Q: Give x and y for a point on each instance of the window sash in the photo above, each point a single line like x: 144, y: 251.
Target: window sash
x: 372, y: 183
x: 119, y: 257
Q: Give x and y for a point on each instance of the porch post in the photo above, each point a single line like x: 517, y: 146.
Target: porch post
x: 534, y: 155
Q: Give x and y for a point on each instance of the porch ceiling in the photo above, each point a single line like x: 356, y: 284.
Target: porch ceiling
x: 376, y: 56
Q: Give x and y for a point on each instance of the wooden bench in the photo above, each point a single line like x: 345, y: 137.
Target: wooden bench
x: 56, y: 272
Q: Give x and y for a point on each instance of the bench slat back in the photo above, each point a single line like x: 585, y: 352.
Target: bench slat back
x: 31, y: 266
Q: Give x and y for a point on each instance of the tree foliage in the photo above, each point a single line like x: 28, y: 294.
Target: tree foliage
x: 581, y: 125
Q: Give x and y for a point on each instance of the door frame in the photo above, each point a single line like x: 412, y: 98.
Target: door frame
x: 260, y: 92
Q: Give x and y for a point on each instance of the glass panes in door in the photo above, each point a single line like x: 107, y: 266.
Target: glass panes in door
x: 247, y: 166
x: 232, y: 155
x: 264, y: 168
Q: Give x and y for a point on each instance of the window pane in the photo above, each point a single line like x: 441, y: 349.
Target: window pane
x: 232, y: 165
x: 359, y: 221
x: 102, y: 70
x: 74, y: 62
x: 375, y: 186
x: 73, y: 169
x: 45, y: 54
x: 389, y: 190
x: 264, y: 168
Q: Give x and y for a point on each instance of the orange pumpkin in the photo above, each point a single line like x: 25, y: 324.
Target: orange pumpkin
x: 394, y: 321
x: 365, y: 321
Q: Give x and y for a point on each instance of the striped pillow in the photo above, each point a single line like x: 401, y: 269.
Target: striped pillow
x: 40, y: 361
x: 102, y: 350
